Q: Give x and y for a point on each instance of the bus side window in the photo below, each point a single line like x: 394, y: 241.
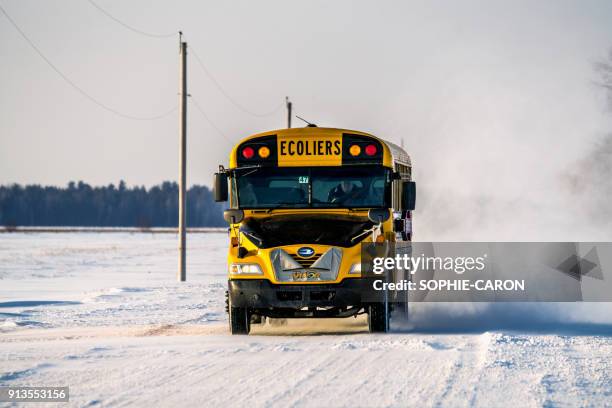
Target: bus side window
x: 233, y: 195
x: 396, y: 195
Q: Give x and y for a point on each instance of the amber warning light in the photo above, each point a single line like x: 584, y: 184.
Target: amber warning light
x: 263, y: 152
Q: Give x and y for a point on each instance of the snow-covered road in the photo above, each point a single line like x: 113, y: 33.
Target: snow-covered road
x: 102, y: 313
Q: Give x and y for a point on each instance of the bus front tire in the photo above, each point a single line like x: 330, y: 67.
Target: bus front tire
x: 378, y: 317
x: 239, y: 320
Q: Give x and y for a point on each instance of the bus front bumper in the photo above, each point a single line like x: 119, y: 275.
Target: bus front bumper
x: 262, y: 294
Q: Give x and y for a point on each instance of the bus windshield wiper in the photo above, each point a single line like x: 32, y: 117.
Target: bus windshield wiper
x: 365, y: 232
x: 253, y: 168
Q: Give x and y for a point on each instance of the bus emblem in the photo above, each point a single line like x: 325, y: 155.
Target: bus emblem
x: 305, y: 252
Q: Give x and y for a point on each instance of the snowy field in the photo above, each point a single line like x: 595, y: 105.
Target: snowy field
x: 103, y: 314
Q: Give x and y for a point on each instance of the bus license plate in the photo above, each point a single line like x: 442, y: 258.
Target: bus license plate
x: 306, y: 276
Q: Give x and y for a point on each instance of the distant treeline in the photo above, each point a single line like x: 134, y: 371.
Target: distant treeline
x: 80, y: 204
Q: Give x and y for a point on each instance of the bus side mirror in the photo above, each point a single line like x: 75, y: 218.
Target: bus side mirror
x: 220, y: 187
x: 408, y: 195
x: 378, y: 216
x: 233, y: 216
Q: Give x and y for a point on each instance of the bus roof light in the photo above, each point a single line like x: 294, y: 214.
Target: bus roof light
x: 355, y: 150
x: 370, y: 150
x: 248, y: 152
x: 264, y: 152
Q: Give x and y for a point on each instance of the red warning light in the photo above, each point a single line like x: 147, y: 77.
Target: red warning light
x: 248, y: 152
x: 370, y: 150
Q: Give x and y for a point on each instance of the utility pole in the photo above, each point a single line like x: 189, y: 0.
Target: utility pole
x: 182, y: 269
x: 288, y: 112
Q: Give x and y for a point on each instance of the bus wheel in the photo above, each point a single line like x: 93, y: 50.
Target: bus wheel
x: 378, y: 317
x: 239, y: 320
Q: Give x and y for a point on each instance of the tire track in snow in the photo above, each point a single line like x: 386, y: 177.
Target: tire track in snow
x: 464, y: 376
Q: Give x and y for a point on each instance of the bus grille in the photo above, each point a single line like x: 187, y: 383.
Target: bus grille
x: 290, y: 268
x: 305, y: 262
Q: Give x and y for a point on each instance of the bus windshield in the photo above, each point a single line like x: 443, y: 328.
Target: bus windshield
x: 312, y: 187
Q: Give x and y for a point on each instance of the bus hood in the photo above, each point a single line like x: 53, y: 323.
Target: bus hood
x: 323, y: 229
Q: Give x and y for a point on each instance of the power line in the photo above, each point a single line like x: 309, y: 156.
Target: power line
x: 210, y: 122
x: 72, y: 84
x: 198, y: 59
x: 229, y: 98
x: 109, y: 15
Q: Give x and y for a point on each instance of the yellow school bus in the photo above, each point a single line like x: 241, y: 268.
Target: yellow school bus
x: 302, y: 201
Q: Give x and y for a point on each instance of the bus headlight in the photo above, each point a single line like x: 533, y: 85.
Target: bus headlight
x: 245, y: 269
x: 356, y: 268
